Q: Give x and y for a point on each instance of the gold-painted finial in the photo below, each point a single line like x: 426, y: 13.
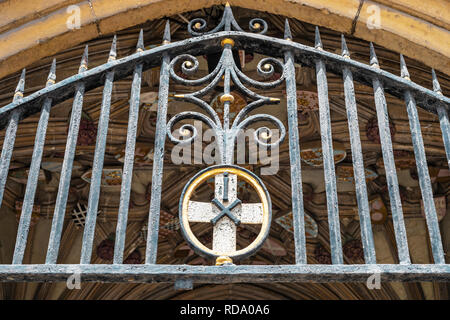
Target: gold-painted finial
x: 83, y: 66
x: 222, y: 260
x: 227, y: 4
x: 227, y: 41
x: 226, y: 97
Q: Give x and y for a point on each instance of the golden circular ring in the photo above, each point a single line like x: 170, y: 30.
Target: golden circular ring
x: 248, y: 177
x: 227, y: 41
x: 197, y: 25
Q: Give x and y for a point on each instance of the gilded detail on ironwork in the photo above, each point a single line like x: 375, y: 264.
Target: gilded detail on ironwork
x: 230, y: 101
x: 225, y: 212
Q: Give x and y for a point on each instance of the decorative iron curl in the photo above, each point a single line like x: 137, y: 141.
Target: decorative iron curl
x: 249, y: 93
x: 258, y: 132
x: 214, y: 117
x: 185, y: 128
x: 198, y: 24
x: 189, y: 67
x: 197, y: 27
x: 255, y: 25
x: 266, y: 69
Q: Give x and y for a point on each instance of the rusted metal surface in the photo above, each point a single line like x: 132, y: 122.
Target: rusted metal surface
x: 66, y: 170
x: 28, y: 202
x: 129, y: 158
x: 298, y: 210
x: 63, y: 90
x: 328, y: 158
x: 225, y: 274
x: 283, y: 53
x: 422, y: 170
x: 158, y: 158
x: 358, y: 165
x: 97, y: 166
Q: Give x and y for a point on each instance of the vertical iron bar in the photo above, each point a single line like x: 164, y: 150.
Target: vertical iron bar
x: 97, y: 167
x: 66, y: 169
x: 328, y: 159
x: 158, y: 159
x: 445, y: 128
x: 7, y: 150
x: 358, y: 169
x: 97, y: 170
x: 10, y: 137
x: 358, y: 164
x: 391, y: 174
x: 33, y: 175
x: 228, y: 151
x: 443, y: 118
x: 422, y: 171
x: 298, y: 213
x: 389, y: 164
x: 128, y: 165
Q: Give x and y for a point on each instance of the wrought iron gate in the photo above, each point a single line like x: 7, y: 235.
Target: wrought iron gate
x: 284, y: 52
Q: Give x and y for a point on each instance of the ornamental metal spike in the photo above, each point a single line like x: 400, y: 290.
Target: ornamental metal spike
x: 140, y: 44
x: 287, y: 30
x: 318, y: 41
x: 345, y: 53
x: 166, y: 36
x: 84, y: 60
x: 373, y: 56
x: 113, y: 51
x: 20, y: 89
x: 436, y: 85
x: 403, y: 69
x: 227, y: 17
x: 52, y: 74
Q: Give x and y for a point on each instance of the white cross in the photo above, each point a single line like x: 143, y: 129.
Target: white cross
x: 224, y: 234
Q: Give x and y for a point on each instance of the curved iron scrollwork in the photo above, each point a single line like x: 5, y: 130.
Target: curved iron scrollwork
x: 226, y: 69
x: 230, y: 35
x: 197, y: 27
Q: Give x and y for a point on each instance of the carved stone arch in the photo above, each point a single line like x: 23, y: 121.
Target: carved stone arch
x: 31, y: 30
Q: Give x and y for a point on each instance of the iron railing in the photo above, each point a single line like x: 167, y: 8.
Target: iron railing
x: 227, y: 35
